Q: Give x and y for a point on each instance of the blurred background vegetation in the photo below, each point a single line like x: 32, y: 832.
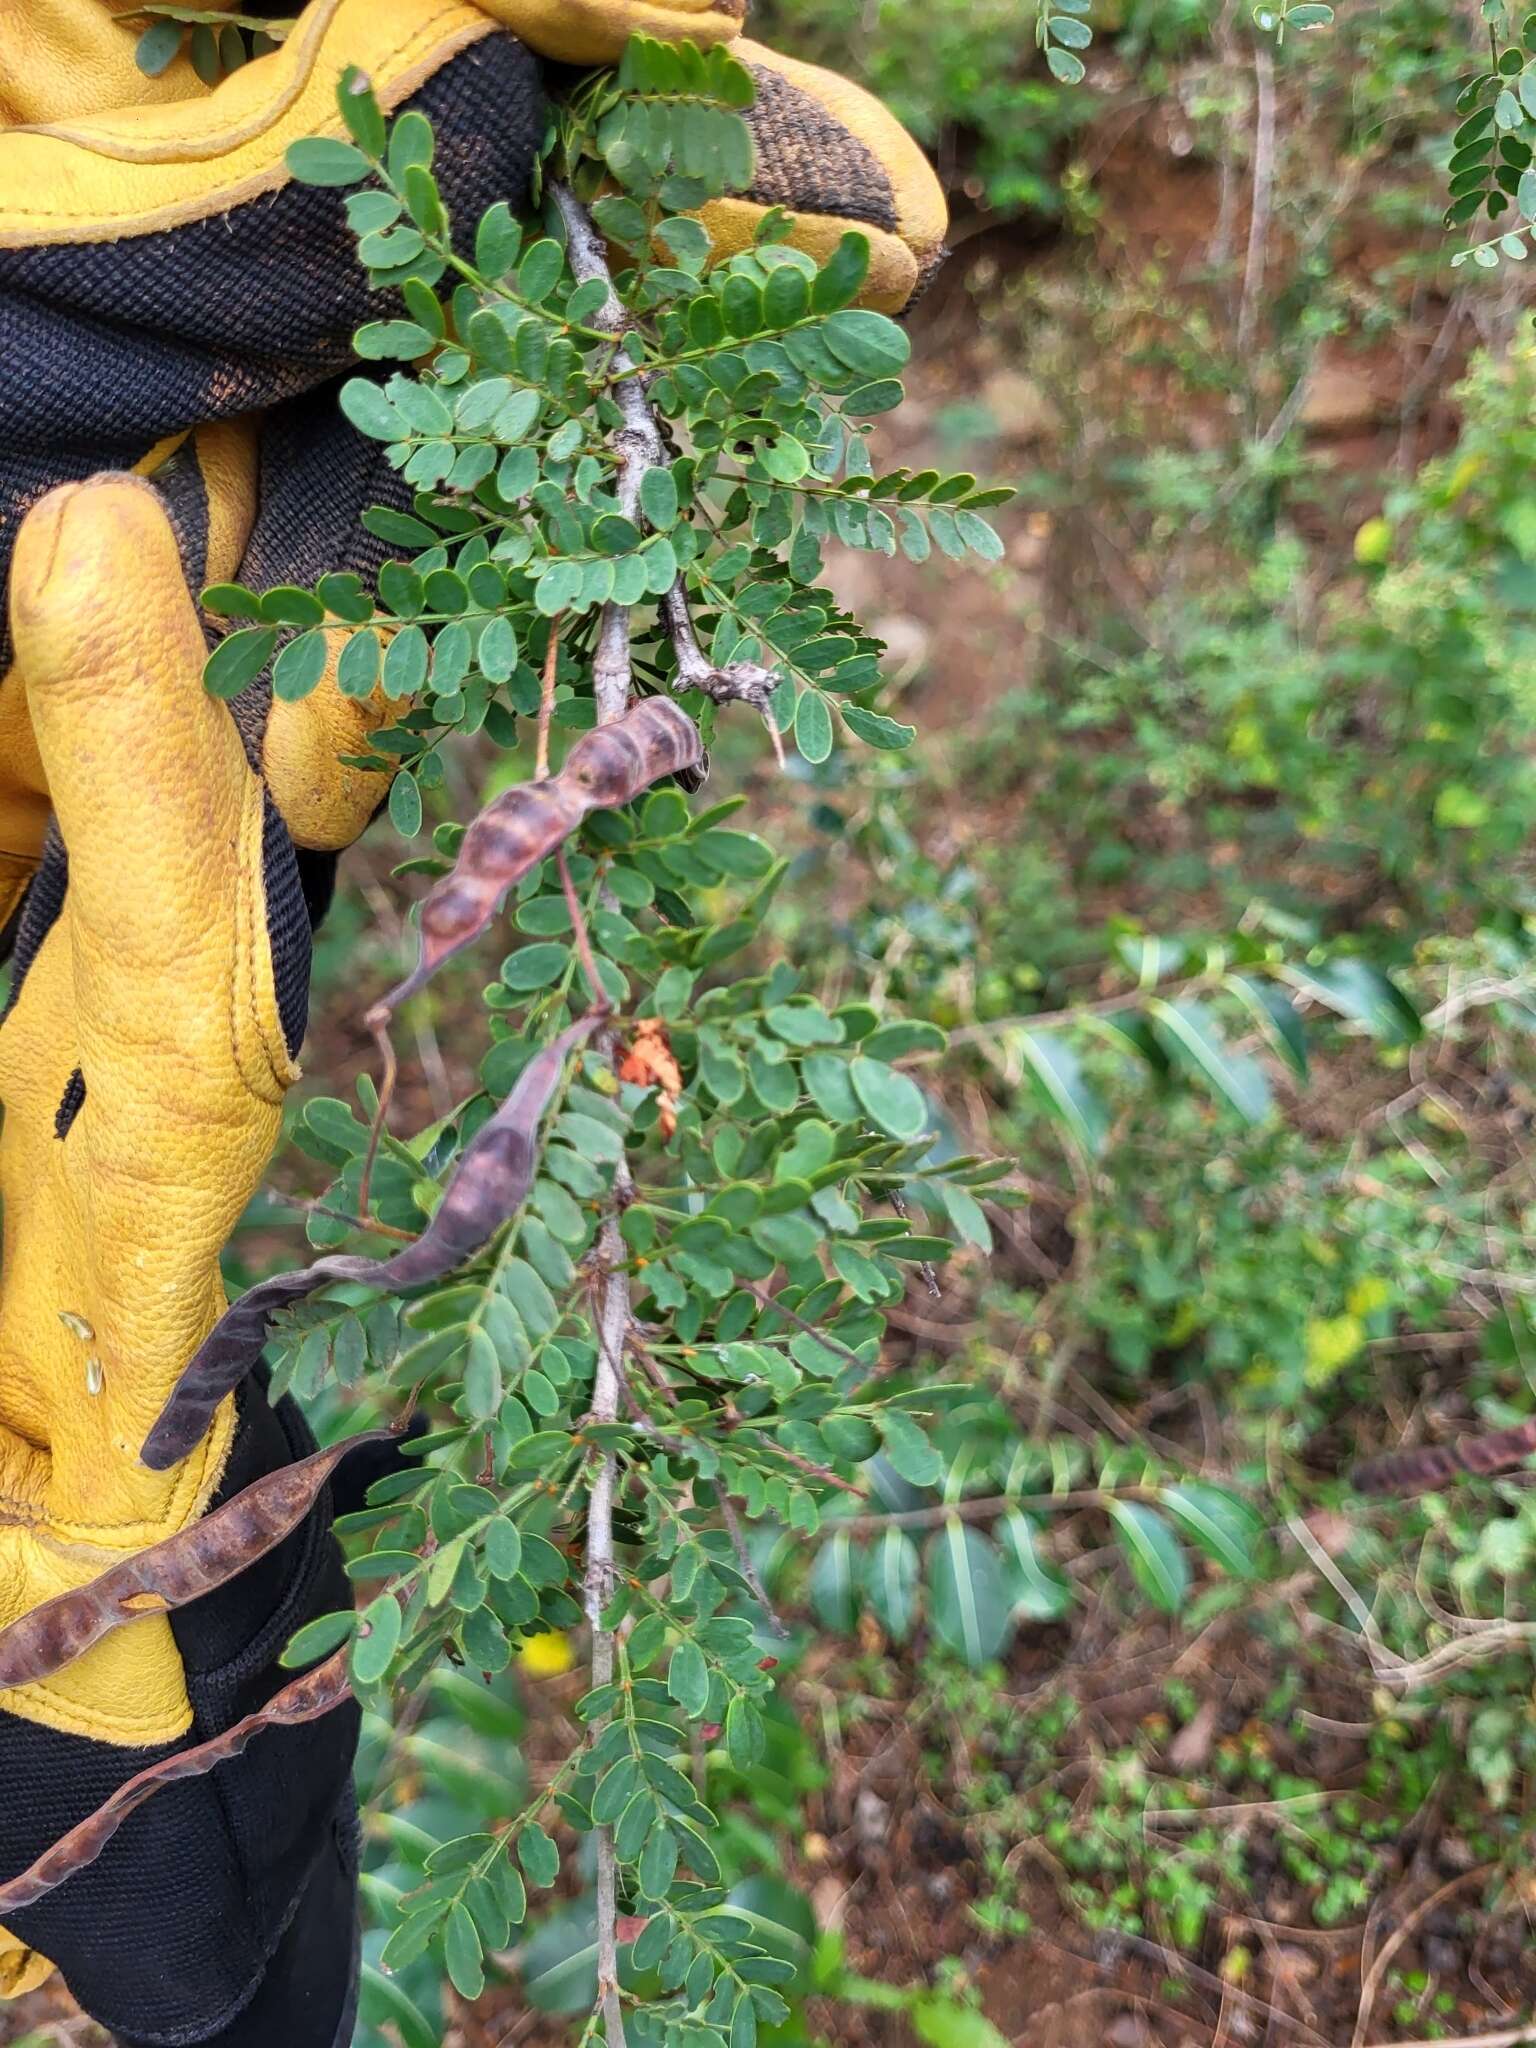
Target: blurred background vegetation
x: 1144, y: 1728
x: 1239, y: 733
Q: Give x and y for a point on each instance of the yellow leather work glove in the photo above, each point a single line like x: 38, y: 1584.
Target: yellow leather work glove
x: 158, y: 994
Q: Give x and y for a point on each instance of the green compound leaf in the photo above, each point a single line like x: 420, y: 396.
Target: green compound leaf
x: 813, y: 726
x: 1225, y: 1528
x: 877, y: 731
x: 405, y: 811
x: 1153, y: 1552
x: 896, y: 1103
x: 968, y: 1595
x: 1363, y: 994
x: 1194, y: 1039
x: 1037, y: 1587
x: 319, y: 160
x: 462, y: 1953
x: 1277, y: 1018
x: 238, y: 659
x: 832, y: 1584
x: 299, y: 667
x: 378, y: 1637
x: 892, y: 1569
x: 1057, y: 1078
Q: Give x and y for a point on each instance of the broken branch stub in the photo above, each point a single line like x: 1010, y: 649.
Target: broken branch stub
x: 317, y: 1693
x: 196, y: 1560
x: 609, y: 766
x: 493, y: 1175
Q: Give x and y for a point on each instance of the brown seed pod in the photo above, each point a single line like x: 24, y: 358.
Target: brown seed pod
x: 491, y: 1178
x: 317, y: 1693
x: 609, y: 766
x: 184, y: 1567
x: 1434, y: 1466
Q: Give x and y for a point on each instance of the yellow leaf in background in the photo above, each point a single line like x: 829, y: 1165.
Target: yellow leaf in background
x: 1368, y: 1294
x: 1187, y: 1319
x: 1373, y: 543
x: 547, y: 1655
x: 1464, y: 474
x: 1460, y: 809
x: 1332, y: 1341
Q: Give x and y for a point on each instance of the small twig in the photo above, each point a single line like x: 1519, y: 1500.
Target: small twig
x: 1394, y: 1942
x: 1263, y: 194
x: 318, y: 1208
x: 652, y: 1370
x: 547, y: 700
x: 822, y: 1472
x: 1384, y: 1662
x: 983, y: 1509
x: 1510, y: 2037
x: 613, y: 1326
x: 925, y: 1268
x: 379, y: 1025
x: 611, y: 678
x: 1248, y: 1809
x: 640, y: 448
x: 761, y: 1294
x: 748, y: 1569
x: 583, y: 939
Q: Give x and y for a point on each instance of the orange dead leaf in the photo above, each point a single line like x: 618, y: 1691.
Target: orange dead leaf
x: 650, y: 1063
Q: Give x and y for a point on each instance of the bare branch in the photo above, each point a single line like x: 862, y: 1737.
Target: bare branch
x: 639, y: 447
x: 1263, y: 195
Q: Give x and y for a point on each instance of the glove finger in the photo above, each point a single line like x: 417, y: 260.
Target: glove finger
x: 62, y: 58
x: 213, y: 515
x: 325, y: 802
x: 595, y: 31
x: 145, y: 770
x: 830, y: 154
x: 160, y: 969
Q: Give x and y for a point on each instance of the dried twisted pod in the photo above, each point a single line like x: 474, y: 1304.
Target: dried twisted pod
x: 317, y: 1693
x: 184, y: 1567
x: 490, y: 1180
x: 1434, y: 1466
x: 609, y: 766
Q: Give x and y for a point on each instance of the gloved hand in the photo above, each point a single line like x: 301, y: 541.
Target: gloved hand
x: 158, y: 998
x: 157, y: 268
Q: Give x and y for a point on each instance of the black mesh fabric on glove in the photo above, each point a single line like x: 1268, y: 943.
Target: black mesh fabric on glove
x: 201, y: 1921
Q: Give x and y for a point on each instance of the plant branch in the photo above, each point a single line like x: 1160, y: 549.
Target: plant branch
x: 1263, y: 195
x: 547, y: 700
x: 640, y: 449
